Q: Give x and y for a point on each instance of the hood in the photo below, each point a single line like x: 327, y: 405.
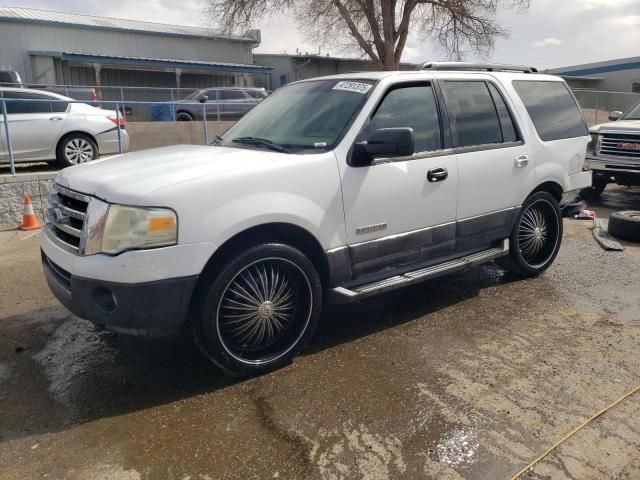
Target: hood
x: 128, y: 178
x: 625, y: 125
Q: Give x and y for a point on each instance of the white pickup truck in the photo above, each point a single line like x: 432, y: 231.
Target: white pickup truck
x: 614, y: 153
x: 331, y: 189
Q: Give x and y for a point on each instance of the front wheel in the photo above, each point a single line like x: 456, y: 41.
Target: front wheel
x: 259, y: 310
x: 536, y: 237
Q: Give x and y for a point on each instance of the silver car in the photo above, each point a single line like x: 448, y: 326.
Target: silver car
x: 45, y: 126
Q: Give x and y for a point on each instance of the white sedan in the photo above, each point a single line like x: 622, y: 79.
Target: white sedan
x: 45, y: 126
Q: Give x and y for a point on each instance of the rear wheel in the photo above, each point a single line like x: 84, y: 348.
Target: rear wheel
x: 595, y: 190
x: 184, y: 117
x: 536, y: 236
x: 76, y: 148
x: 259, y: 310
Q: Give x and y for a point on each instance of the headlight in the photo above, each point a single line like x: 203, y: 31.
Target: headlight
x: 594, y: 144
x: 124, y: 228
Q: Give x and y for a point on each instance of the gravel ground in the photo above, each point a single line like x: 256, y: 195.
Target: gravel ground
x: 467, y: 376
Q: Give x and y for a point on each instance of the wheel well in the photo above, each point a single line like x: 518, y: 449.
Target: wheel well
x: 81, y: 133
x: 286, y: 233
x: 553, y: 188
x: 187, y: 112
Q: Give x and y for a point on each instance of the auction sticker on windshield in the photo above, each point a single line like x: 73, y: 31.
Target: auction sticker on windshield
x: 356, y: 87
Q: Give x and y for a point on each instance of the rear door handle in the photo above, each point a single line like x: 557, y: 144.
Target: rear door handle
x: 55, y: 119
x: 522, y: 161
x: 437, y: 174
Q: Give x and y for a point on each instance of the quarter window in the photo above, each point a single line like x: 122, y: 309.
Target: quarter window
x: 552, y: 108
x: 474, y: 114
x: 509, y: 133
x: 413, y: 107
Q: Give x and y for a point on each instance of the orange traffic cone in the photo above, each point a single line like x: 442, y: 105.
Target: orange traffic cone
x: 29, y: 219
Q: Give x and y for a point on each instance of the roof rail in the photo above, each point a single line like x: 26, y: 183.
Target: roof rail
x: 467, y: 66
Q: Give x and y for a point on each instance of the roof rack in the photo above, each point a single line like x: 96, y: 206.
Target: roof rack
x: 467, y: 66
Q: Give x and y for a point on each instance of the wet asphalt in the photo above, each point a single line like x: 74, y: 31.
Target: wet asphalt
x: 467, y: 376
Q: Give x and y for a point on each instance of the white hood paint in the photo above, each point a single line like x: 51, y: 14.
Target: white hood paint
x: 615, y: 126
x: 130, y: 177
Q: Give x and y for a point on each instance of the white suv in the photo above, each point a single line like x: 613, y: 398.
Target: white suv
x: 331, y: 189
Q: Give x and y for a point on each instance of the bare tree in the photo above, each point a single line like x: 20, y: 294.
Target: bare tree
x: 379, y: 28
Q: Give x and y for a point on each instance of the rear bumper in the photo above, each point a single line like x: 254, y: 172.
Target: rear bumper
x: 108, y: 142
x: 155, y: 308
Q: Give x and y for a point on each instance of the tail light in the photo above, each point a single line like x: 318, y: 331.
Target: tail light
x: 118, y: 120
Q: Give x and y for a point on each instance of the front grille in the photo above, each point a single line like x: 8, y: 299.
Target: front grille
x: 66, y: 217
x: 620, y: 145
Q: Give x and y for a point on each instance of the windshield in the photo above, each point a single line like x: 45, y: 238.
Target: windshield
x: 634, y: 113
x: 306, y: 115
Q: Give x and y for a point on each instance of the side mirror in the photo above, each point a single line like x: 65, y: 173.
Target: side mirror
x: 384, y: 142
x: 615, y: 116
x: 204, y: 99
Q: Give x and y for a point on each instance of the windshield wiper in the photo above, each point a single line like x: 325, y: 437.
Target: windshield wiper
x: 261, y: 141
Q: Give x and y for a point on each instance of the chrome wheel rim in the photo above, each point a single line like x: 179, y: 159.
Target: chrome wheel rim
x: 264, y: 310
x: 78, y: 150
x: 538, y: 233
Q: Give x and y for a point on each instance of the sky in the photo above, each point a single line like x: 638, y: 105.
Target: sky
x: 552, y: 33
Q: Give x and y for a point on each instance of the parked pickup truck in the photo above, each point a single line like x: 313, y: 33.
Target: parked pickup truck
x: 614, y: 153
x: 331, y: 189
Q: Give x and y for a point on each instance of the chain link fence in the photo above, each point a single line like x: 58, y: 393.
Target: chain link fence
x: 597, y: 105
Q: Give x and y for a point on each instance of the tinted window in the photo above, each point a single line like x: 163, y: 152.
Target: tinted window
x: 413, y: 107
x: 25, y: 106
x: 474, y: 114
x: 257, y: 93
x: 506, y: 121
x: 232, y: 95
x: 554, y: 112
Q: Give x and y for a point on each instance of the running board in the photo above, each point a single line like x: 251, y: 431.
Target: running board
x: 343, y: 294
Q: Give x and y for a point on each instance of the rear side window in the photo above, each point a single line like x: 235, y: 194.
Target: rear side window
x: 26, y: 106
x: 554, y: 112
x: 474, y: 114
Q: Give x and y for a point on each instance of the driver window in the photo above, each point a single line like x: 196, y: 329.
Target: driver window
x: 415, y: 107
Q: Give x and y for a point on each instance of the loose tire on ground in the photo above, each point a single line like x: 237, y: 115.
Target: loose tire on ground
x: 258, y: 310
x: 625, y: 225
x: 76, y: 148
x: 536, y: 236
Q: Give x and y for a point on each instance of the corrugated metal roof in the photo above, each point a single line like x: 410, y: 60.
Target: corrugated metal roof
x: 154, y: 62
x: 32, y: 15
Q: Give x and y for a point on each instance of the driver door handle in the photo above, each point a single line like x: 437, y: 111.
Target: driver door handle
x: 437, y: 174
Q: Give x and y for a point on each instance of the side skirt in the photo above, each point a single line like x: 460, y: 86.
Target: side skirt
x: 358, y: 292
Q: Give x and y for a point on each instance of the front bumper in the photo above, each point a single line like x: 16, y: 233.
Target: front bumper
x: 154, y: 308
x: 627, y: 173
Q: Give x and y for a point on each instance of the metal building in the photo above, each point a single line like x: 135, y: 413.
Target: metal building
x: 47, y: 47
x: 620, y: 75
x: 289, y: 68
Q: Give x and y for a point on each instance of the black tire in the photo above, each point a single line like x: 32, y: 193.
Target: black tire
x: 259, y: 309
x: 536, y: 236
x: 625, y: 225
x: 76, y: 148
x: 184, y: 117
x: 595, y: 190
